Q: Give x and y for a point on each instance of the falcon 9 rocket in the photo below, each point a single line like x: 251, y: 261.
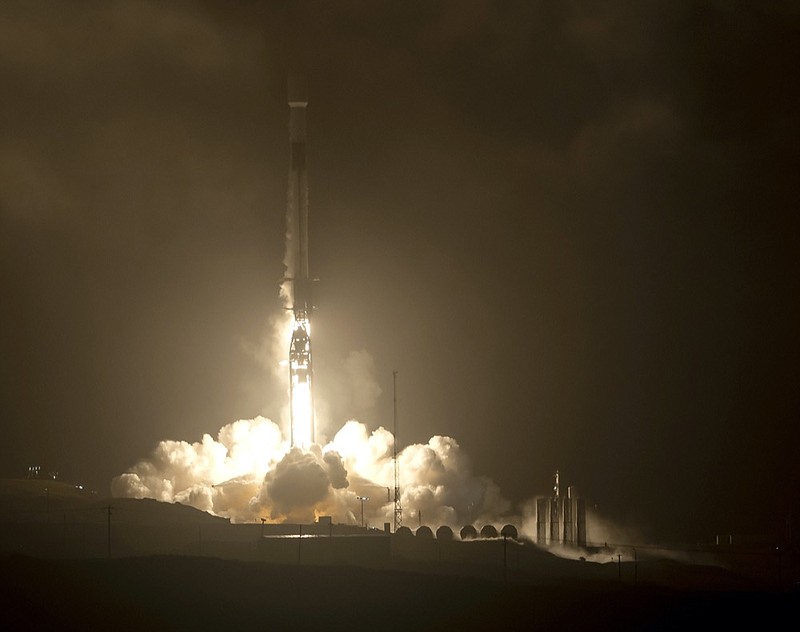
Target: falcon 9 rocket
x: 301, y: 401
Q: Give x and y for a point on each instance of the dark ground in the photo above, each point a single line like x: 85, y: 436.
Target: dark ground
x: 54, y: 575
x: 195, y: 593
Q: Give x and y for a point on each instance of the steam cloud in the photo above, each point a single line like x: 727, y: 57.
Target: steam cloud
x: 250, y: 472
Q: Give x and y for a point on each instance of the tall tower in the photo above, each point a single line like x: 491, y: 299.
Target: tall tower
x: 398, y: 507
x: 555, y: 511
x: 301, y: 401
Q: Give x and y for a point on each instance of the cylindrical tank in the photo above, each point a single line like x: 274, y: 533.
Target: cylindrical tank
x: 444, y: 533
x: 468, y: 532
x: 489, y: 531
x: 509, y: 531
x: 425, y: 532
x: 542, y: 519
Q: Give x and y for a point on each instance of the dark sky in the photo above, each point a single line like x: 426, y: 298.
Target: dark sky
x: 571, y: 227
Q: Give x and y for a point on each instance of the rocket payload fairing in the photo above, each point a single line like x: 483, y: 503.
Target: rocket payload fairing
x: 301, y: 404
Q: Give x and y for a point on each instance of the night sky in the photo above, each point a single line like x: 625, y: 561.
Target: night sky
x: 570, y: 227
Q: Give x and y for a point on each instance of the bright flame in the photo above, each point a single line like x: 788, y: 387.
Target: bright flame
x: 302, y: 417
x: 300, y: 376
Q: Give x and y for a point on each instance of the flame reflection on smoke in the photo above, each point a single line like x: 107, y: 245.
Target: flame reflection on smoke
x: 250, y: 472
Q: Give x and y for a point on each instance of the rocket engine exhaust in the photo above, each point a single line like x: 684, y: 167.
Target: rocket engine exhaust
x: 301, y: 394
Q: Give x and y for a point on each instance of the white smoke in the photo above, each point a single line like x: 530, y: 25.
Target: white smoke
x: 250, y: 472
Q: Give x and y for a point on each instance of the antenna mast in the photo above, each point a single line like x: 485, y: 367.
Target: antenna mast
x: 398, y: 508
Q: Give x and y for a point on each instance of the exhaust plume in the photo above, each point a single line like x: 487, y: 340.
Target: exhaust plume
x: 249, y: 471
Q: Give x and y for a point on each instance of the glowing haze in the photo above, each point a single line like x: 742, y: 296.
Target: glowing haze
x: 252, y: 471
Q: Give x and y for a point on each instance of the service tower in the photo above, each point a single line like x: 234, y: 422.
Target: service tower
x: 301, y: 401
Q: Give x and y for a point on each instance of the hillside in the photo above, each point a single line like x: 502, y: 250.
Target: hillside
x: 67, y: 563
x: 195, y: 593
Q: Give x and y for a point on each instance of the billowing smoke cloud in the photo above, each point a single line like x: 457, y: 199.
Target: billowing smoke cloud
x: 249, y: 472
x: 300, y: 482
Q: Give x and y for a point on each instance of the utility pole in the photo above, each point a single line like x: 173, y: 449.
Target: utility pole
x: 505, y: 558
x: 299, y: 545
x: 109, y: 532
x: 398, y: 509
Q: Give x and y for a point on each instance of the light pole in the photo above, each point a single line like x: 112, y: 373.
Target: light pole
x: 362, y: 499
x: 505, y: 559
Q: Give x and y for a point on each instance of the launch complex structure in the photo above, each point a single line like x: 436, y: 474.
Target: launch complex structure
x: 561, y: 519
